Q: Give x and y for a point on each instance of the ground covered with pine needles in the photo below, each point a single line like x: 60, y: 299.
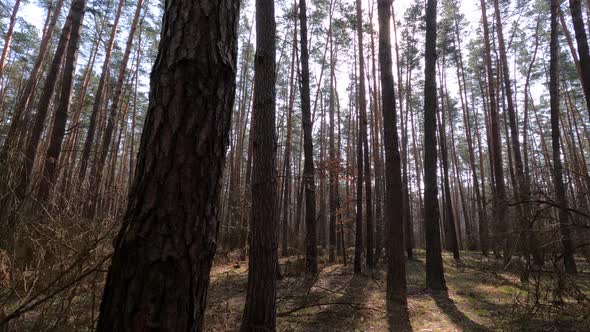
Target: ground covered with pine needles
x: 482, y: 295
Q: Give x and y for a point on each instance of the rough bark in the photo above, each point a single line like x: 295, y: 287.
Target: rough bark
x: 160, y: 269
x: 260, y: 308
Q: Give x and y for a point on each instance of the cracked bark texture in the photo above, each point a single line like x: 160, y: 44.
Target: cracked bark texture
x: 260, y: 310
x: 160, y: 268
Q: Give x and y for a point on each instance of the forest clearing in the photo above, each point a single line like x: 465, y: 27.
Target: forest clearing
x: 481, y: 297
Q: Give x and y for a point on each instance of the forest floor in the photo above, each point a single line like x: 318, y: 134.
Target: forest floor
x: 482, y: 296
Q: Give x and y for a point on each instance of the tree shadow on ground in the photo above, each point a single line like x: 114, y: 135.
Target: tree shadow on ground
x: 398, y: 318
x: 447, y: 305
x: 342, y: 310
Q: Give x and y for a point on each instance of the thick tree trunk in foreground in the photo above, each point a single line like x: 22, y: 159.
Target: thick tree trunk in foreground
x: 564, y: 218
x: 396, y: 262
x: 260, y: 309
x: 160, y: 270
x: 435, y: 278
x: 311, y: 251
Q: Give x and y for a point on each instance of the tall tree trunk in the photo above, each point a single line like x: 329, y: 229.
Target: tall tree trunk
x: 523, y: 190
x: 435, y: 278
x: 76, y: 10
x: 99, y: 101
x: 6, y: 49
x: 49, y: 170
x: 396, y: 263
x: 23, y: 104
x: 260, y: 308
x: 483, y: 223
x: 500, y: 203
x: 321, y: 170
x: 583, y: 51
x: 525, y: 135
x: 469, y: 136
x: 363, y: 140
x: 8, y: 41
x: 182, y: 157
x: 71, y: 148
x: 334, y: 163
x: 98, y: 167
x: 287, y: 157
x: 311, y: 250
x: 564, y: 218
x: 451, y: 242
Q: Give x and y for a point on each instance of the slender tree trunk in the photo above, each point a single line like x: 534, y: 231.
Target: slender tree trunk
x: 483, y: 223
x: 525, y: 134
x: 564, y: 218
x: 435, y: 279
x: 98, y: 167
x: 287, y: 157
x: 452, y: 243
x: 49, y: 170
x: 583, y: 51
x: 523, y: 190
x: 500, y: 204
x: 99, y: 101
x: 451, y: 233
x: 182, y: 155
x: 134, y: 115
x: 76, y: 10
x: 396, y: 264
x: 5, y: 52
x: 311, y: 251
x: 7, y: 42
x: 321, y: 170
x: 71, y: 148
x: 23, y: 104
x: 468, y: 134
x: 364, y: 154
x: 334, y: 163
